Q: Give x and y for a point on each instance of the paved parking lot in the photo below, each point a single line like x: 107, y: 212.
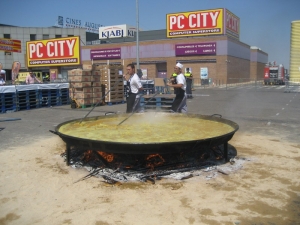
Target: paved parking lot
x: 260, y: 110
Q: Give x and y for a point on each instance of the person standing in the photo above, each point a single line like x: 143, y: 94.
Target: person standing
x: 31, y: 78
x: 179, y: 104
x: 133, y: 87
x: 173, y: 79
x: 189, y: 80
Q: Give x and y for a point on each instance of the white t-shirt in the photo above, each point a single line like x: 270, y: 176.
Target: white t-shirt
x: 135, y: 83
x: 181, y: 80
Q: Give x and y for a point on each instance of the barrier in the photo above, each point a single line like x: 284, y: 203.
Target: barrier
x: 8, y: 102
x: 158, y: 103
x: 27, y: 100
x: 25, y: 97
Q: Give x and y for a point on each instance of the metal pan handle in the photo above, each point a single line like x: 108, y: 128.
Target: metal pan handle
x: 109, y: 113
x: 216, y: 115
x: 54, y: 132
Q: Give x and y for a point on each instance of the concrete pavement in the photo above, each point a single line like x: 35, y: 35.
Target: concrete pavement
x: 263, y: 111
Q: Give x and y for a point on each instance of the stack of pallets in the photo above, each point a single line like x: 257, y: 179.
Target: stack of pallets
x: 28, y: 99
x: 8, y: 102
x: 112, y: 83
x: 162, y: 102
x: 85, y: 87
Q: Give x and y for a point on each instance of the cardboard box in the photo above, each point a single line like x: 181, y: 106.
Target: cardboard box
x: 96, y: 73
x: 95, y: 78
x: 87, y: 67
x: 97, y: 94
x: 98, y: 101
x: 71, y: 72
x: 96, y: 84
x: 80, y: 84
x: 97, y: 89
x: 85, y: 101
x: 83, y: 72
x: 79, y: 78
x: 100, y: 67
x: 82, y: 95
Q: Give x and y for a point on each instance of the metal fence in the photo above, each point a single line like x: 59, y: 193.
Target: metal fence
x: 231, y: 82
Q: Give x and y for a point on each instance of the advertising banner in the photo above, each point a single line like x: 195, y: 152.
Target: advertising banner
x: 208, y: 48
x: 15, y: 70
x: 232, y: 24
x: 116, y: 31
x: 108, y: 53
x: 9, y: 45
x: 195, y: 23
x: 204, y: 73
x: 78, y: 23
x: 53, y: 52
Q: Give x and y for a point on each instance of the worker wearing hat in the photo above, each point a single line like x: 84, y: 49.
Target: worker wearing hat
x: 179, y: 104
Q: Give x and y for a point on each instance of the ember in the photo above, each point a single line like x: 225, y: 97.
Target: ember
x: 113, y: 167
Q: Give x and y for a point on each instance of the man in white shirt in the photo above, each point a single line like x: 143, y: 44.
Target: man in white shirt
x: 31, y: 79
x: 179, y: 104
x: 133, y: 86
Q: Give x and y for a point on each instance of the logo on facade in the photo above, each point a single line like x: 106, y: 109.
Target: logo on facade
x: 116, y: 31
x: 60, y: 21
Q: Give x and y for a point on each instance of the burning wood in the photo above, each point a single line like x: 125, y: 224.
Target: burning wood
x: 119, y: 168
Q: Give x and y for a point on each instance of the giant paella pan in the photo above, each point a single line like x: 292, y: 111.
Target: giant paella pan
x: 147, y: 133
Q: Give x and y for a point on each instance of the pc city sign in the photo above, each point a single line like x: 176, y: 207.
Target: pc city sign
x: 203, y: 22
x: 116, y: 31
x: 53, y: 52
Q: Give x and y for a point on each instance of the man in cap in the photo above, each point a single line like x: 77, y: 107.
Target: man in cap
x: 179, y: 104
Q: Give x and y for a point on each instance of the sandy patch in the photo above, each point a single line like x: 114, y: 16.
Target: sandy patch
x: 36, y: 187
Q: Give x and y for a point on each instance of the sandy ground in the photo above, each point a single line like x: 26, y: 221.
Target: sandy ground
x: 36, y: 187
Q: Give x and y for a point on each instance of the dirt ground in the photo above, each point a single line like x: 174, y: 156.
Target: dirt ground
x: 36, y: 187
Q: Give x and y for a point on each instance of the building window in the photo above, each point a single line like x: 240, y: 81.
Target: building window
x: 6, y: 36
x: 32, y: 37
x: 57, y: 35
x: 45, y: 36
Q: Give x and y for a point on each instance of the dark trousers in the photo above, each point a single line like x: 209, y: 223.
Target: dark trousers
x: 132, y: 103
x: 189, y: 88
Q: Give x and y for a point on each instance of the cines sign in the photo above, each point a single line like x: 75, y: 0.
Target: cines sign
x: 117, y: 31
x: 76, y: 23
x: 53, y: 52
x: 202, y: 22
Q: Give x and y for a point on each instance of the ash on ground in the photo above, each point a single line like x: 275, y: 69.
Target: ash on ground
x: 208, y: 167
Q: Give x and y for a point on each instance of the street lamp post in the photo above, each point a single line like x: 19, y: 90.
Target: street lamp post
x: 137, y: 35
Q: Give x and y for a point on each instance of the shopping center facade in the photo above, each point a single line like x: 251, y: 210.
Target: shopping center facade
x: 211, y: 50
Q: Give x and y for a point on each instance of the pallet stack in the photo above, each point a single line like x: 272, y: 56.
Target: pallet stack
x: 8, y: 102
x: 112, y: 83
x: 85, y: 87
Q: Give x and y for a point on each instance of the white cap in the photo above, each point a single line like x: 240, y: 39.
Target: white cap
x: 179, y: 65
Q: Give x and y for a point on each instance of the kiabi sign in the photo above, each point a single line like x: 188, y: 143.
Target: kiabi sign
x: 117, y: 31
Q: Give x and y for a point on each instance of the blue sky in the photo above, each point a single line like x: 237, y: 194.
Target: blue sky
x: 263, y: 23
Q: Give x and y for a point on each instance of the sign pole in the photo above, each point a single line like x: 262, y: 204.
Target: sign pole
x: 137, y: 35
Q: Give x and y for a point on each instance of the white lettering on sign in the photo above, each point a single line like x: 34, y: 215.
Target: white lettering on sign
x: 232, y: 22
x: 55, y: 48
x: 194, y: 20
